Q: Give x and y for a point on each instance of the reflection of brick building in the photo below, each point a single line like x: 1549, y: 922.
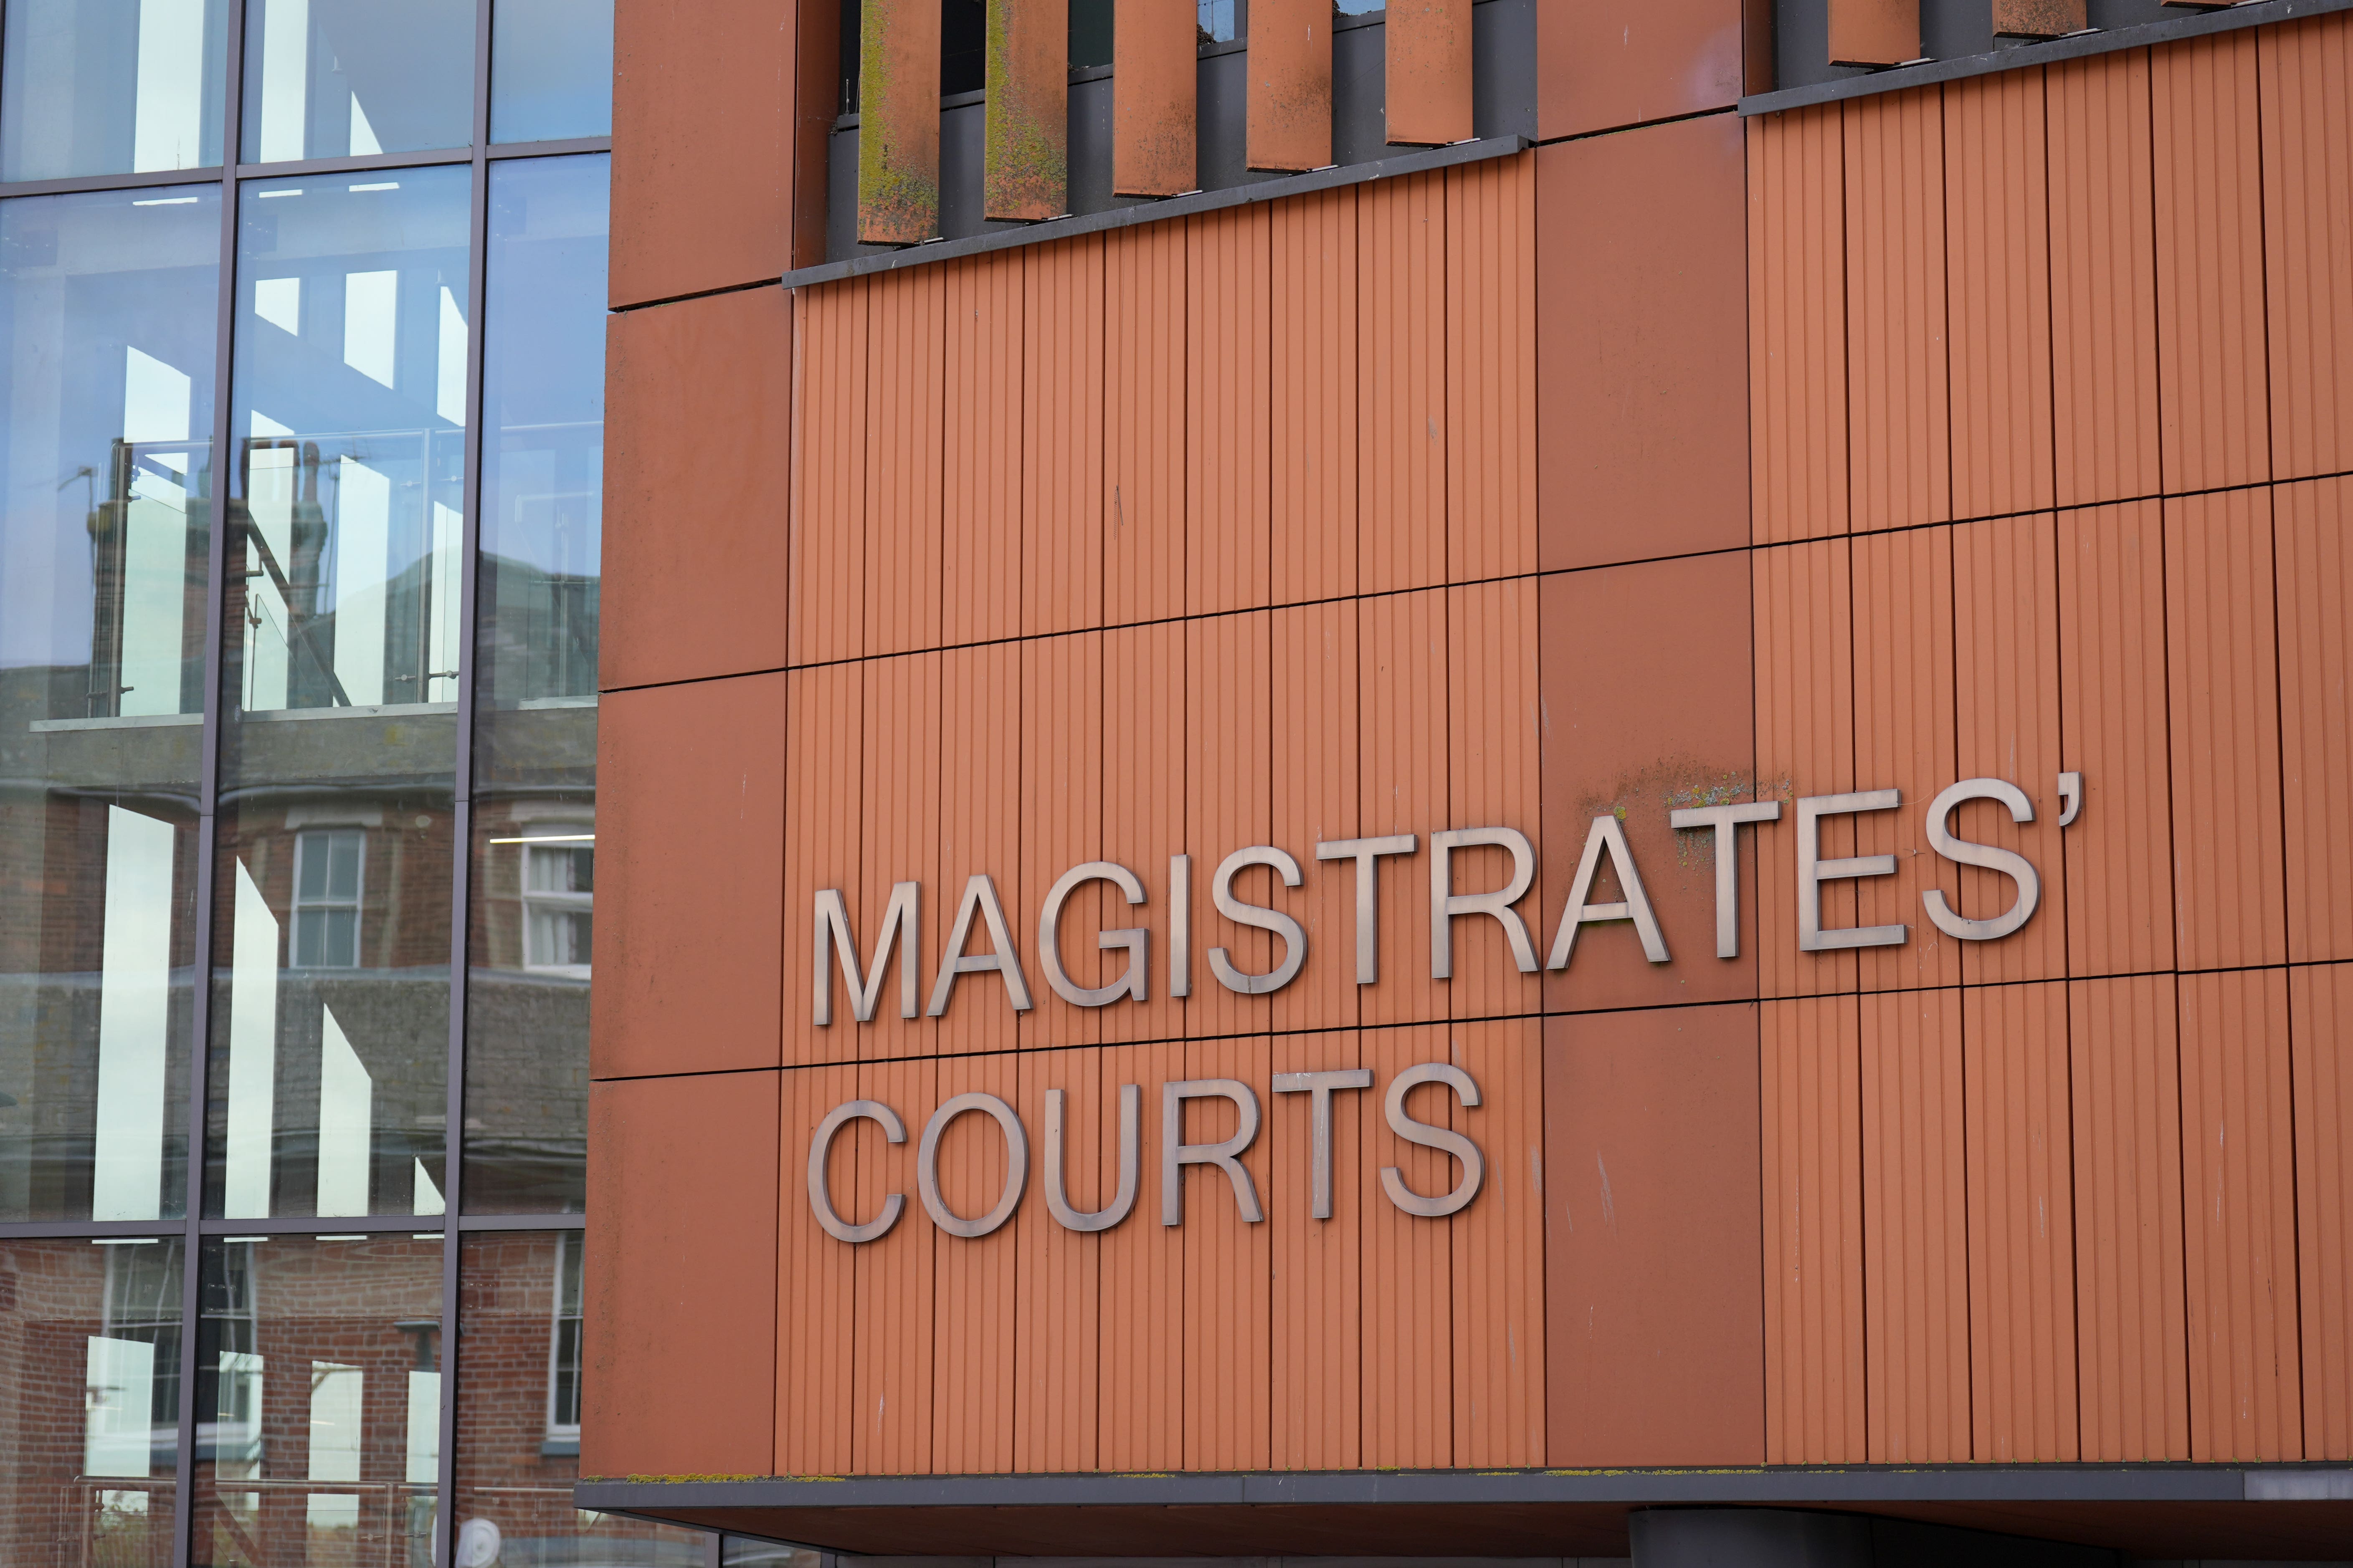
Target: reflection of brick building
x: 519, y: 1406
x: 318, y: 1399
x: 63, y: 783
x: 90, y: 1361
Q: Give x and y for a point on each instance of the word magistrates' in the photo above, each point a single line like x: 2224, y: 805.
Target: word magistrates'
x: 836, y: 943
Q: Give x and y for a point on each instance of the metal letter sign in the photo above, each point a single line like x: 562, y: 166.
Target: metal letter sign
x: 834, y: 951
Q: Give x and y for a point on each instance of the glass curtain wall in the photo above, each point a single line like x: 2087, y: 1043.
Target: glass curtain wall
x: 299, y: 513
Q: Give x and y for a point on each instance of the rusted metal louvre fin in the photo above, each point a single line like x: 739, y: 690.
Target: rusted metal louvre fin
x: 1429, y: 73
x: 1290, y: 64
x: 899, y: 121
x: 2039, y: 18
x: 1026, y: 174
x: 1154, y: 53
x: 1875, y: 32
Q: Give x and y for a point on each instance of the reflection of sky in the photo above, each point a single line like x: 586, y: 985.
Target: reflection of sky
x: 554, y: 69
x: 543, y: 373
x: 372, y: 261
x: 328, y: 78
x: 85, y: 280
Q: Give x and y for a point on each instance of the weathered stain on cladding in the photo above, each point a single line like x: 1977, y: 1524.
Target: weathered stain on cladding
x: 898, y: 122
x: 2038, y: 19
x: 1026, y: 164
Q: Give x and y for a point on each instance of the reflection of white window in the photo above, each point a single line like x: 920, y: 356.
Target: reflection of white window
x: 564, y: 1343
x: 328, y: 870
x: 559, y: 890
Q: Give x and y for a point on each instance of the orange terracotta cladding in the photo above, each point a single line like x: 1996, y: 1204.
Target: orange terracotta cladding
x: 1251, y: 532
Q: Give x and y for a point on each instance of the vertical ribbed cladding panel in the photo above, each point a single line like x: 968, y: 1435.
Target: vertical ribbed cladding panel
x: 1314, y: 397
x: 1493, y: 780
x: 1402, y: 345
x: 2102, y: 278
x: 816, y: 1308
x: 824, y: 804
x: 828, y: 593
x: 1409, y: 1317
x: 898, y: 122
x: 980, y: 830
x: 1144, y: 422
x: 2222, y: 672
x: 1144, y: 804
x: 2132, y: 1347
x: 1229, y: 1273
x: 904, y: 404
x: 890, y: 1350
x: 1155, y: 86
x: 1402, y: 687
x: 1805, y: 745
x: 1288, y: 121
x: 2315, y: 602
x: 1490, y: 367
x: 2006, y: 623
x: 2022, y: 1212
x: 898, y: 788
x: 1319, y: 1279
x: 1903, y: 737
x: 980, y: 579
x: 1797, y: 324
x: 1025, y: 161
x: 2307, y: 98
x: 2239, y: 1179
x: 974, y: 1277
x: 1498, y: 1249
x: 1061, y: 827
x: 1315, y: 756
x: 1999, y: 262
x: 2112, y: 714
x: 1810, y: 1079
x: 1061, y: 436
x: 1228, y: 542
x: 1916, y: 1285
x: 2320, y: 1011
x: 2213, y: 385
x: 1428, y: 56
x: 1901, y: 462
x: 1228, y: 806
x: 1140, y: 1397
x: 1058, y: 1299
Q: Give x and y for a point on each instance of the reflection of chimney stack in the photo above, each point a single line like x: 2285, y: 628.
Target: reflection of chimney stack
x: 109, y: 536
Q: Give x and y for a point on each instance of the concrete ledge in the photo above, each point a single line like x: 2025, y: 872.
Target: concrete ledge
x: 1174, y: 207
x: 2255, y: 14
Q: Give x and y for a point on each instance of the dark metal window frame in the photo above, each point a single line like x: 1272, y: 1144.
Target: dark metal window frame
x: 195, y: 1229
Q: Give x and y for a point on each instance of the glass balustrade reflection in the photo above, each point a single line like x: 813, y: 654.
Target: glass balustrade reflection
x: 345, y: 78
x: 318, y: 1401
x: 111, y: 87
x: 108, y: 302
x: 89, y: 1399
x: 343, y: 629
x: 535, y: 876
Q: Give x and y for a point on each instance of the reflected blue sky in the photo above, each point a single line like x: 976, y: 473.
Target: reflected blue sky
x: 551, y: 69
